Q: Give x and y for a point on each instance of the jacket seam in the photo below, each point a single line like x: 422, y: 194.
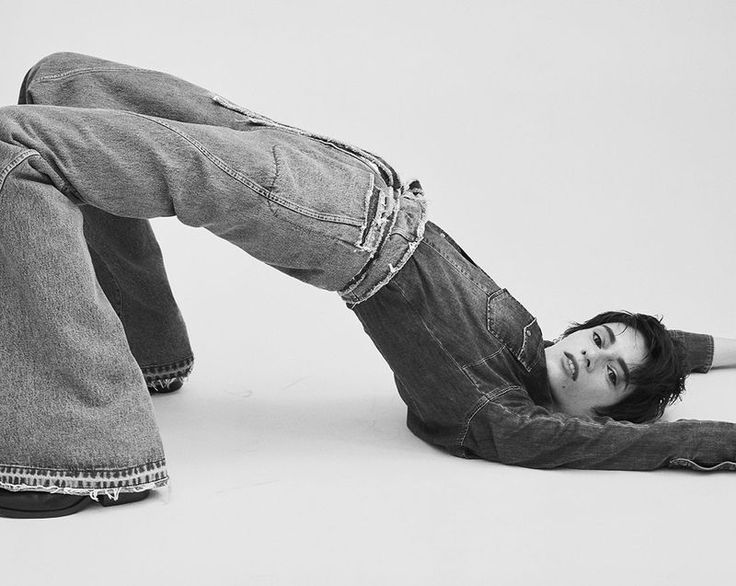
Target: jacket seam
x: 436, y: 341
x: 478, y: 407
x: 457, y: 268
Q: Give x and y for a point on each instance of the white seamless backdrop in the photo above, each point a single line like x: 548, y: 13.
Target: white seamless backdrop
x: 582, y: 152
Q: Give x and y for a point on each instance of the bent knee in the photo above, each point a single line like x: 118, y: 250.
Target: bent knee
x: 20, y: 127
x: 53, y: 67
x: 9, y: 118
x: 61, y: 63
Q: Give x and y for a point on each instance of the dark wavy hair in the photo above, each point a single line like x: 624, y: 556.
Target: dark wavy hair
x: 658, y: 382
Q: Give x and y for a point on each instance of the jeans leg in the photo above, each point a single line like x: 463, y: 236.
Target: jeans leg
x: 390, y: 223
x: 74, y: 410
x: 289, y: 201
x: 306, y: 207
x: 129, y: 266
x: 83, y: 81
x: 124, y: 251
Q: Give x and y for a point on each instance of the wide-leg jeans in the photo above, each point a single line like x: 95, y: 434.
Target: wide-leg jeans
x: 94, y: 150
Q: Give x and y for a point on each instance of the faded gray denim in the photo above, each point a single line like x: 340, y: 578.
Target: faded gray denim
x: 95, y: 150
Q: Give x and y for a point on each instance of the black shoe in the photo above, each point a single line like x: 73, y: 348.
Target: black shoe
x: 165, y: 385
x: 44, y: 505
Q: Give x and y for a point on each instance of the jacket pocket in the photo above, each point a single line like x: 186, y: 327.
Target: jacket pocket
x: 509, y: 322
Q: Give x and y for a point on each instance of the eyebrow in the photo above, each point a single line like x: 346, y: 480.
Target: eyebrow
x: 621, y: 362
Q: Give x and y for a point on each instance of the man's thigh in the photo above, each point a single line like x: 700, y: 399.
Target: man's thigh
x: 294, y: 202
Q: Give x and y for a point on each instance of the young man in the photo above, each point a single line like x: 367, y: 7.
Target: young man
x: 88, y: 319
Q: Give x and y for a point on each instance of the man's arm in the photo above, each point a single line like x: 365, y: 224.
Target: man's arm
x: 705, y: 352
x: 513, y: 430
x: 699, y: 350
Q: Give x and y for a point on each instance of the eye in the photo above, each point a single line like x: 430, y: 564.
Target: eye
x: 597, y: 340
x: 612, y: 376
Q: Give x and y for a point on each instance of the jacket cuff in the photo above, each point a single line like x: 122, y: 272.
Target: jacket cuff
x: 698, y: 350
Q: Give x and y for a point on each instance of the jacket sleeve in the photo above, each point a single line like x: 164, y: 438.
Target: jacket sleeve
x: 698, y: 349
x: 513, y: 430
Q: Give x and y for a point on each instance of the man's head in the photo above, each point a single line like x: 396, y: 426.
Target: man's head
x: 617, y: 364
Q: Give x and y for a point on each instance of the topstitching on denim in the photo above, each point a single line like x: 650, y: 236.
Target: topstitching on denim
x: 117, y: 302
x: 459, y: 269
x: 433, y: 337
x: 12, y: 165
x: 528, y: 332
x: 306, y: 211
x: 247, y: 181
x: 478, y: 407
x: 84, y: 70
x: 502, y: 297
x: 485, y: 360
x: 374, y: 162
x: 237, y: 175
x: 372, y: 239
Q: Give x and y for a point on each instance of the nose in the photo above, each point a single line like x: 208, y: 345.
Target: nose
x: 591, y: 356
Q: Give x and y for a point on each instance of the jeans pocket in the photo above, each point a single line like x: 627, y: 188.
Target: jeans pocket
x: 330, y: 191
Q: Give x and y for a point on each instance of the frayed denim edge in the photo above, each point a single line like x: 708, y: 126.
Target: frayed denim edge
x: 94, y: 493
x: 393, y: 269
x: 155, y: 374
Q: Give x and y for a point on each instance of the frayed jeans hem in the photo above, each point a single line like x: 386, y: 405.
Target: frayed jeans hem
x: 166, y: 372
x: 93, y: 483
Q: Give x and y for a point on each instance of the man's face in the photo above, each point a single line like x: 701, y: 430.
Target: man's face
x: 590, y: 368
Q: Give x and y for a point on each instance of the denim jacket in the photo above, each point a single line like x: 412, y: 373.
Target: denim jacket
x: 468, y: 361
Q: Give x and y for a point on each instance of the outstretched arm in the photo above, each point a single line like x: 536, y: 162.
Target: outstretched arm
x: 724, y: 353
x: 699, y: 350
x: 705, y: 352
x: 511, y: 429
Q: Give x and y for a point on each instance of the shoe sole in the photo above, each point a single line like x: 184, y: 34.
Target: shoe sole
x: 82, y: 503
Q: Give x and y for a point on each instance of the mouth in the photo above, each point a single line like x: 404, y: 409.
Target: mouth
x: 570, y: 365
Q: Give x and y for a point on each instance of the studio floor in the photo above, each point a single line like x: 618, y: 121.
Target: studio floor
x: 319, y: 482
x: 290, y: 463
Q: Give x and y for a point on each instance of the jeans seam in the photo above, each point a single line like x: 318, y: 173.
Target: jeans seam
x: 12, y: 165
x: 182, y: 362
x: 373, y: 162
x: 117, y: 305
x: 303, y: 210
x: 84, y: 70
x: 154, y: 372
x: 160, y: 461
x: 276, y: 169
x: 238, y: 176
x: 85, y: 481
x: 247, y: 181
